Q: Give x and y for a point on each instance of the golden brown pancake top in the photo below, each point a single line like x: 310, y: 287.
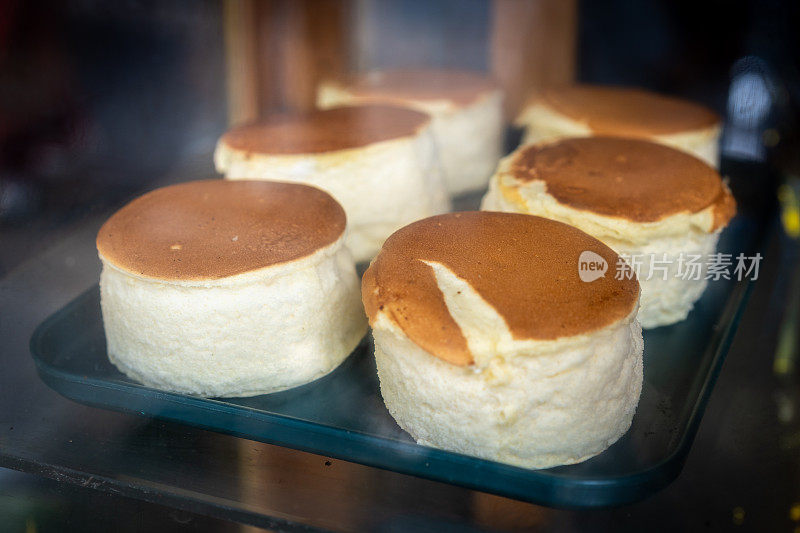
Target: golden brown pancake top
x: 633, y: 179
x: 326, y: 130
x: 203, y: 230
x: 460, y: 87
x: 628, y: 112
x: 525, y: 267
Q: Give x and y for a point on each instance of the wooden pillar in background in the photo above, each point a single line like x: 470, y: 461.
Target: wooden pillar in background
x: 277, y: 51
x: 315, y: 39
x: 241, y: 65
x: 533, y: 45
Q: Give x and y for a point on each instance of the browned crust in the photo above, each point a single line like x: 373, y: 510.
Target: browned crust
x: 627, y: 112
x: 204, y: 230
x: 633, y: 179
x: 325, y: 130
x: 525, y: 267
x: 458, y: 86
x: 724, y: 209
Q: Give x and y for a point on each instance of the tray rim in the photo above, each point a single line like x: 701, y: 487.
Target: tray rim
x: 544, y: 487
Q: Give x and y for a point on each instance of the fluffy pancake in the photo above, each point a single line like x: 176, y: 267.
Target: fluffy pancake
x: 632, y: 179
x: 627, y: 112
x: 326, y: 130
x: 466, y: 111
x: 213, y: 229
x: 525, y: 267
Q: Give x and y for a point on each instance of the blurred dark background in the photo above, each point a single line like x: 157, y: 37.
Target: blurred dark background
x: 97, y: 100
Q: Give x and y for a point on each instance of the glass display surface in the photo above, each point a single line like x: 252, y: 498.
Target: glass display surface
x: 342, y: 415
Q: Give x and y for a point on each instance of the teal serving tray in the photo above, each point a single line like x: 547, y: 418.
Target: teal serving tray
x: 342, y: 415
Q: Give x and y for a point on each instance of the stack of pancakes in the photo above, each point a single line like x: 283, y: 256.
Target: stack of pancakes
x: 489, y: 341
